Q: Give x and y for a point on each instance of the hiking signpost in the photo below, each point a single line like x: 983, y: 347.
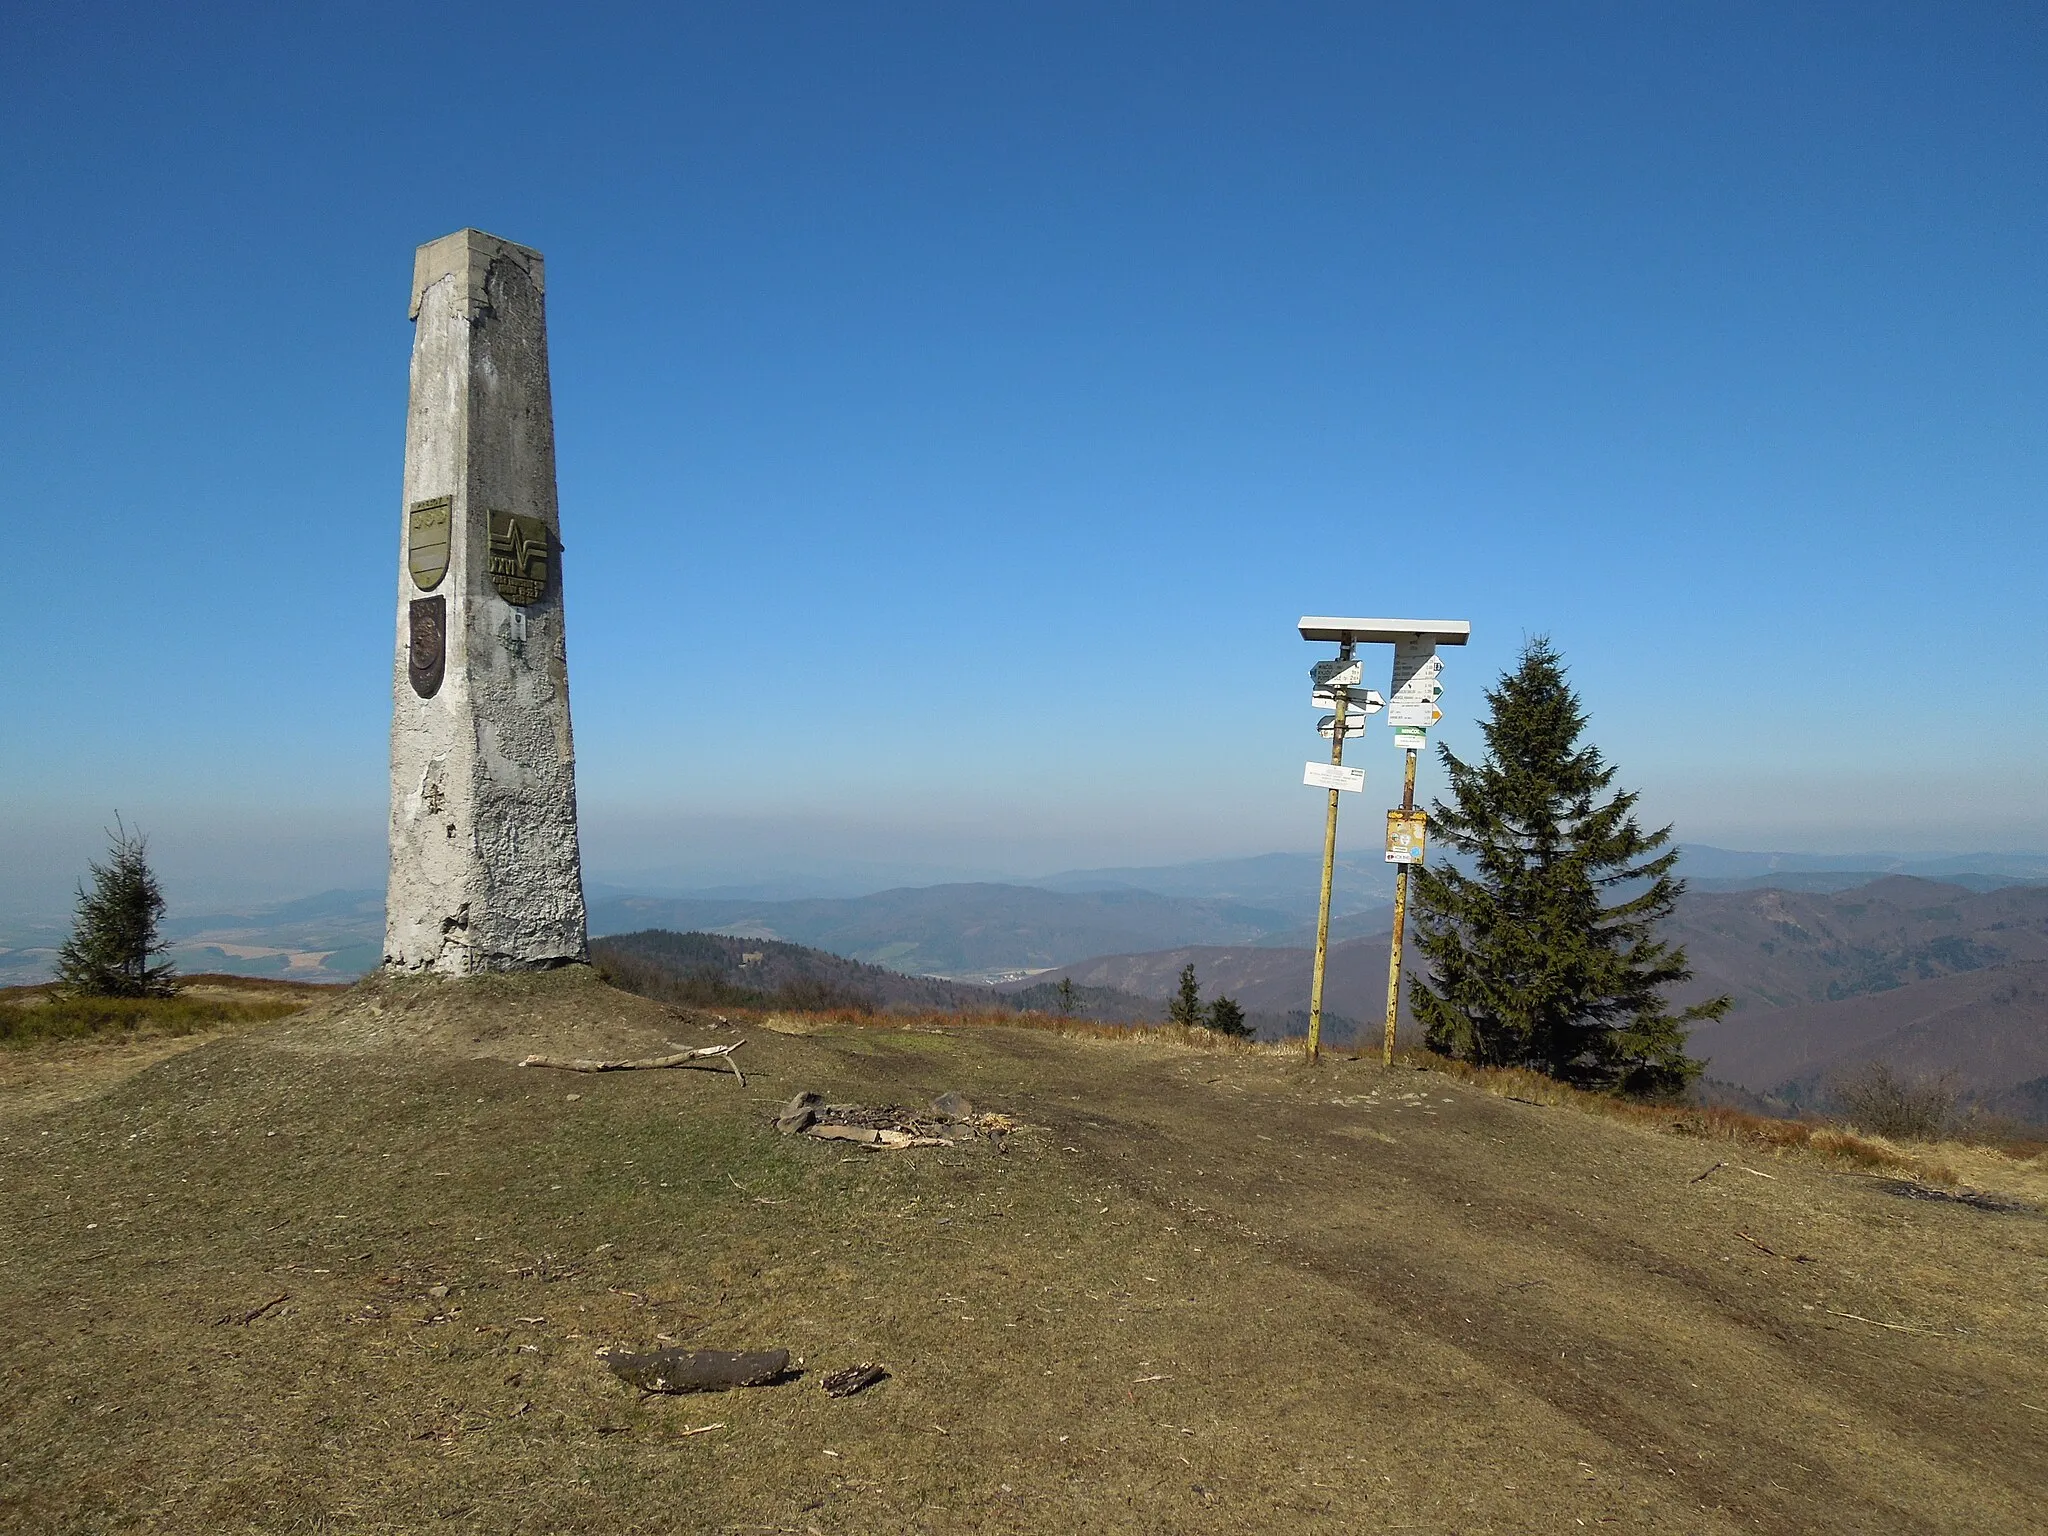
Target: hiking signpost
x: 1411, y: 711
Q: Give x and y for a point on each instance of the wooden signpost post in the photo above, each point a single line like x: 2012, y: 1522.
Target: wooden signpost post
x: 1411, y: 712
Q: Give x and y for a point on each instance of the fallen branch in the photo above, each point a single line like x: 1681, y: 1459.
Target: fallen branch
x: 1894, y: 1327
x: 1739, y: 1168
x: 650, y: 1064
x: 253, y: 1313
x: 864, y: 1136
x: 1796, y: 1258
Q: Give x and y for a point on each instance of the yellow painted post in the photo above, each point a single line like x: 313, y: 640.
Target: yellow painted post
x: 1400, y: 922
x: 1315, y: 990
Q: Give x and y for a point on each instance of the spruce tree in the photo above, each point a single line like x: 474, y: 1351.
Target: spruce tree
x: 1227, y: 1018
x: 1545, y: 954
x: 1186, y: 1007
x: 114, y: 934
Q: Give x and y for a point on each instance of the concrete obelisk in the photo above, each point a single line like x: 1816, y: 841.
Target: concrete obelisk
x: 485, y: 870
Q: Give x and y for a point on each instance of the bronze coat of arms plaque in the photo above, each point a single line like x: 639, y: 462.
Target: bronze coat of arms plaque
x: 519, y: 557
x: 428, y: 662
x: 426, y: 541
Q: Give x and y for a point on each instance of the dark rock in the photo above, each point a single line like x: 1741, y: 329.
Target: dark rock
x: 953, y: 1105
x: 700, y: 1370
x: 855, y: 1378
x: 799, y: 1114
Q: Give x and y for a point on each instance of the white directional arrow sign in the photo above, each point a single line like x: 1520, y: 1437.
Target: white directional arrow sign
x: 1366, y: 699
x: 1337, y: 674
x: 1416, y: 689
x: 1354, y: 725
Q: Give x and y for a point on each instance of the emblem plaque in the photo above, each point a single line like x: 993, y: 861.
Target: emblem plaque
x: 426, y: 541
x: 519, y: 557
x: 429, y: 659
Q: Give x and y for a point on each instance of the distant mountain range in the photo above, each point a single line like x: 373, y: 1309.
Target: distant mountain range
x: 1925, y: 975
x: 1270, y: 982
x: 1704, y: 865
x: 973, y: 932
x: 1832, y: 960
x: 334, y: 936
x: 1278, y: 882
x: 715, y: 970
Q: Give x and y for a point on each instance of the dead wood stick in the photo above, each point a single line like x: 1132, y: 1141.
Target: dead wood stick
x: 253, y: 1313
x: 1739, y: 1168
x: 869, y: 1136
x: 701, y: 1370
x: 1894, y: 1327
x: 722, y: 1053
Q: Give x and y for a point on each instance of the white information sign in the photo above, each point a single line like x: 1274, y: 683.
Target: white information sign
x: 1413, y: 658
x: 1334, y: 776
x: 1416, y: 689
x: 1337, y: 674
x: 1417, y: 714
x: 1366, y: 699
x: 1410, y: 738
x: 1354, y: 725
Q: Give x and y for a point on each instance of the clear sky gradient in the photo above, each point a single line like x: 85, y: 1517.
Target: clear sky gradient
x: 958, y: 403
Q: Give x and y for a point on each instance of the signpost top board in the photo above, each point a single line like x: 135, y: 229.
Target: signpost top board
x: 1386, y: 631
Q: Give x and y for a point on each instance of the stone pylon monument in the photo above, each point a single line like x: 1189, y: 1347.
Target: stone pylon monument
x: 485, y: 869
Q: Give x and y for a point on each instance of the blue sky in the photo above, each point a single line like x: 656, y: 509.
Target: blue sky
x: 957, y: 404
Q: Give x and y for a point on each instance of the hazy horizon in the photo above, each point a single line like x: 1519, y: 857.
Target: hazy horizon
x: 45, y: 895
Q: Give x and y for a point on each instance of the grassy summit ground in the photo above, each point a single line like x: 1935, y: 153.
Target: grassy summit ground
x: 350, y: 1272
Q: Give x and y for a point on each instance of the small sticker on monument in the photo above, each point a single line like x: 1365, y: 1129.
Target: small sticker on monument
x: 428, y: 661
x: 519, y: 557
x: 426, y: 541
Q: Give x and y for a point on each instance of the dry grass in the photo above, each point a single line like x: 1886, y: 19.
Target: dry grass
x: 1941, y: 1163
x: 1172, y: 1036
x: 351, y: 1272
x: 1932, y: 1162
x: 1955, y: 1162
x: 204, y: 1002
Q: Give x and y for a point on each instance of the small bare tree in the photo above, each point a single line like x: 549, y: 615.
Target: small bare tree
x: 1879, y: 1100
